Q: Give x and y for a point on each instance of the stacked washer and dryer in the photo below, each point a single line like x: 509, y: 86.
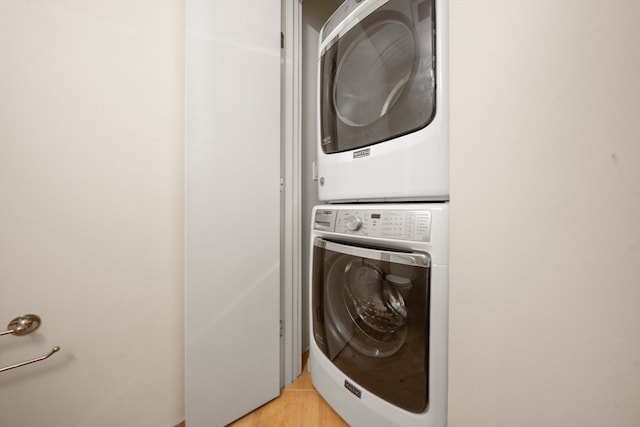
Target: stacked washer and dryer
x: 379, y: 243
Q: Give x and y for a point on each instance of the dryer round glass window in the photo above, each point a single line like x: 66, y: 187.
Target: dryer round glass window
x: 378, y: 78
x: 374, y: 72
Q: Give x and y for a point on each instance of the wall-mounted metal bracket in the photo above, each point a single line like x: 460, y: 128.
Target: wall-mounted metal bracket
x: 24, y: 325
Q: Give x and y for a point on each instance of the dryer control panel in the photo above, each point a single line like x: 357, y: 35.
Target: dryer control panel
x: 387, y: 224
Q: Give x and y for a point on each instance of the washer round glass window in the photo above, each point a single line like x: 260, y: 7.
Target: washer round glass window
x: 374, y: 72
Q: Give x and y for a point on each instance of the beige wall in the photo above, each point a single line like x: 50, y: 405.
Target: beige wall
x: 91, y: 211
x: 545, y: 213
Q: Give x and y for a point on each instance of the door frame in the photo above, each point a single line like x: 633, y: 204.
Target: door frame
x: 291, y: 218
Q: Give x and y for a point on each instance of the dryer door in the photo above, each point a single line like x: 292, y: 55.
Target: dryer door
x: 377, y: 79
x: 371, y: 318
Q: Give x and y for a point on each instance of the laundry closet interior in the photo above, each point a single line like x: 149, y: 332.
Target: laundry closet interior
x: 378, y: 340
x: 141, y: 150
x: 501, y: 72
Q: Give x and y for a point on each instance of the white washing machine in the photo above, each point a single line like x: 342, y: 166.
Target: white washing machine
x: 379, y: 307
x: 383, y: 102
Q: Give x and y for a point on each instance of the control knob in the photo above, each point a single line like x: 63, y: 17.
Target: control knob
x: 353, y: 223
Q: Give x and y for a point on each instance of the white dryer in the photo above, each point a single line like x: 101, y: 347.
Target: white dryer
x: 379, y: 307
x: 383, y: 102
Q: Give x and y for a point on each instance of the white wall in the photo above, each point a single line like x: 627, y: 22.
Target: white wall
x: 91, y: 211
x: 545, y: 213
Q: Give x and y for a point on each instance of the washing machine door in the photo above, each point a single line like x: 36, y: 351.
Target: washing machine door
x: 370, y: 311
x: 378, y: 79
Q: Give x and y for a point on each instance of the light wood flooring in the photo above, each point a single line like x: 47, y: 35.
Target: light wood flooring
x: 298, y: 405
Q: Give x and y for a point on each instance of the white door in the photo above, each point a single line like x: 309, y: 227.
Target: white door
x: 232, y: 208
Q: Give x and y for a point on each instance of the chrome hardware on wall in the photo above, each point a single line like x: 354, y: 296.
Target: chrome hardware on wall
x: 26, y: 362
x: 24, y: 325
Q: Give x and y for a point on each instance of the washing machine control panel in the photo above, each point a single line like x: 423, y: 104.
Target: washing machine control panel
x: 388, y: 224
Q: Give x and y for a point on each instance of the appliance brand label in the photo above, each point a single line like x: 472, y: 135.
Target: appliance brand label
x: 361, y: 153
x: 353, y: 389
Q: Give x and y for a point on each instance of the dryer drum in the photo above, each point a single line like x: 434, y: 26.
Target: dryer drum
x: 374, y: 72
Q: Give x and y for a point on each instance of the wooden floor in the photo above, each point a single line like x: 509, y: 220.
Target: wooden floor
x: 298, y: 405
